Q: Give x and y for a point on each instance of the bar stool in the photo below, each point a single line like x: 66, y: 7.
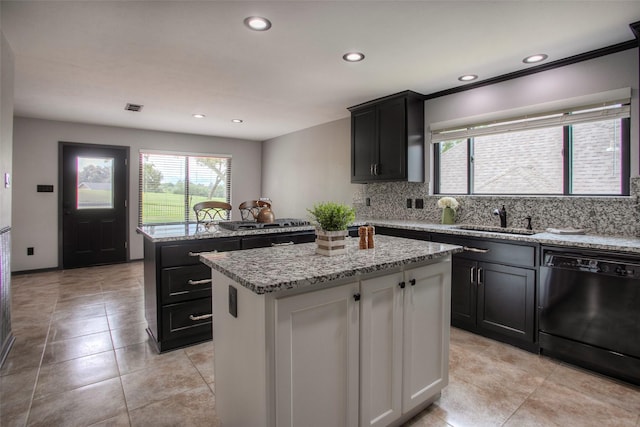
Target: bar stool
x: 250, y: 209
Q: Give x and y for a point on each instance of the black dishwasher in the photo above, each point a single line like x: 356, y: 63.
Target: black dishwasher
x: 589, y: 311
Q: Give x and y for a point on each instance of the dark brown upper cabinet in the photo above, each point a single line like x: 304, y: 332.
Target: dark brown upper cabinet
x: 387, y: 139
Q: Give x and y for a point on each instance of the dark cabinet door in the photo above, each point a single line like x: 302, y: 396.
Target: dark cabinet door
x: 364, y: 147
x: 392, y: 140
x: 506, y: 300
x: 463, y: 293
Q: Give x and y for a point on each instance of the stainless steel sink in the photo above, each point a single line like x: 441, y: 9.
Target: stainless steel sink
x: 493, y: 229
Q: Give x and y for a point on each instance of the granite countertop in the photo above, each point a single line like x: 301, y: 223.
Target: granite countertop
x: 181, y: 232
x: 278, y: 268
x: 586, y: 241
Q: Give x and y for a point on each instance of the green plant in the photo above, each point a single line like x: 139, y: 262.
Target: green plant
x: 333, y: 216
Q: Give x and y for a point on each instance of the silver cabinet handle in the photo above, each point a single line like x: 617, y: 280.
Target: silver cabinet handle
x: 204, y: 316
x: 375, y: 169
x: 283, y: 244
x: 371, y: 169
x: 480, y: 271
x: 200, y: 253
x: 480, y: 251
x: 473, y: 274
x: 199, y: 282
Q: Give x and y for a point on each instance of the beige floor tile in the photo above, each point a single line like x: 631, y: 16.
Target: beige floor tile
x: 503, y: 379
x: 121, y: 420
x: 132, y: 334
x: 201, y: 356
x: 464, y: 404
x: 74, y: 373
x: 152, y: 385
x: 125, y: 317
x: 119, y: 285
x: 598, y: 387
x: 77, y: 290
x: 79, y: 301
x: 64, y: 329
x: 556, y: 405
x: 15, y: 396
x: 23, y: 355
x: 468, y: 340
x: 532, y: 363
x: 194, y: 407
x: 144, y: 356
x: 72, y: 348
x: 427, y: 418
x: 115, y: 305
x: 74, y: 312
x: 79, y: 407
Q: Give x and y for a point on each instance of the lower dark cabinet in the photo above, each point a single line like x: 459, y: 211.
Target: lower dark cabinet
x: 185, y: 321
x: 490, y: 297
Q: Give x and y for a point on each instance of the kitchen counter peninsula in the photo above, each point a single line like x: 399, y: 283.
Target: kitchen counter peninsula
x: 354, y: 339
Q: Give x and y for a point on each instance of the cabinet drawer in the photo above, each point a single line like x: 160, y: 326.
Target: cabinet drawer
x: 187, y: 319
x: 185, y: 253
x: 490, y: 251
x: 277, y: 239
x: 184, y: 283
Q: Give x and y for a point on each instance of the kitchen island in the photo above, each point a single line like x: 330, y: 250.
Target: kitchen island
x: 354, y: 339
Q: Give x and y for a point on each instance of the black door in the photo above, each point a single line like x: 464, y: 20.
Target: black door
x: 93, y: 204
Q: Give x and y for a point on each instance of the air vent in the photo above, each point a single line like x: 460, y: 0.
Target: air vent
x: 133, y: 107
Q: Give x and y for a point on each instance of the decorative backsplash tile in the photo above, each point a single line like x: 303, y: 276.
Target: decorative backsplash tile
x: 615, y: 216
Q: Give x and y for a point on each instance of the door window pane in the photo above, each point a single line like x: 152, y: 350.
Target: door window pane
x: 94, y: 183
x: 453, y: 166
x: 525, y: 162
x: 596, y: 158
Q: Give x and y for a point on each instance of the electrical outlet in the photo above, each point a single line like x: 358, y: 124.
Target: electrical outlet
x: 367, y: 201
x: 29, y: 251
x: 419, y: 203
x: 409, y: 203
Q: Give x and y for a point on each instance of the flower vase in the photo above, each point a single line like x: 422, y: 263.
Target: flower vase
x: 448, y: 215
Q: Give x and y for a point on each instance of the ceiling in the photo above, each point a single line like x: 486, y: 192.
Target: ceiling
x: 82, y: 61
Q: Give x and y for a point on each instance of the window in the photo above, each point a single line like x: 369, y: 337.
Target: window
x: 582, y: 152
x: 94, y: 183
x: 170, y: 184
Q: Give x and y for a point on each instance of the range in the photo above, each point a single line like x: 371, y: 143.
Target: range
x: 250, y: 225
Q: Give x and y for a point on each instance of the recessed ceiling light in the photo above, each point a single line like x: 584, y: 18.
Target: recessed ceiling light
x: 257, y: 23
x: 199, y: 116
x: 353, y: 56
x: 237, y: 120
x: 535, y: 58
x: 467, y: 77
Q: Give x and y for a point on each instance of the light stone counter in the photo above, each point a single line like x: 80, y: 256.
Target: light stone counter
x: 272, y: 269
x: 182, y: 232
x: 607, y: 243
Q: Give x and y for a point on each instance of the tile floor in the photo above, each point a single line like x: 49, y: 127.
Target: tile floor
x: 82, y: 358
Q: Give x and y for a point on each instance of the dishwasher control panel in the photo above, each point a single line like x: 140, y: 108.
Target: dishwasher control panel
x: 586, y: 263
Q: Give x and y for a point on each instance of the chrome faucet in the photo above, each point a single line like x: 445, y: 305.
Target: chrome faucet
x: 502, y: 213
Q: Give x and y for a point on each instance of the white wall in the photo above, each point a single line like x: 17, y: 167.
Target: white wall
x: 308, y: 167
x: 602, y: 74
x: 35, y: 161
x: 6, y: 127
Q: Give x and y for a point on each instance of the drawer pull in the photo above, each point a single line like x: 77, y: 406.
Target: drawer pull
x: 200, y: 253
x: 478, y: 250
x: 282, y: 244
x: 204, y: 316
x: 473, y: 275
x: 199, y: 282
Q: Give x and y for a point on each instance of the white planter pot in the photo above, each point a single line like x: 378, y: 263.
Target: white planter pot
x: 331, y: 242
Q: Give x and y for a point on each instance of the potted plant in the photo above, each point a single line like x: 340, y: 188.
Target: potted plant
x: 332, y: 220
x: 448, y: 206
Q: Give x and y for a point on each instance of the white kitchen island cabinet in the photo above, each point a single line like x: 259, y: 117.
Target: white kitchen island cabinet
x: 306, y: 340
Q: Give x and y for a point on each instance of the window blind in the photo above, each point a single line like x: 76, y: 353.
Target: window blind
x: 590, y: 113
x: 171, y: 183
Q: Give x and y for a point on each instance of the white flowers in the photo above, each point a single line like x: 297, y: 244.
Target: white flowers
x: 448, y: 202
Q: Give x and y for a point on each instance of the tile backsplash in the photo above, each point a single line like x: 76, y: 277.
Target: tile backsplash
x: 606, y: 215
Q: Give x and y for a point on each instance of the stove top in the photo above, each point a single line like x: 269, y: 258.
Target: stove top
x: 250, y: 225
